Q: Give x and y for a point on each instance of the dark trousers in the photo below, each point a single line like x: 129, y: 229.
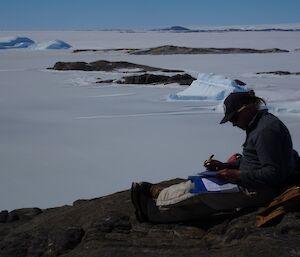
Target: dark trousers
x: 206, y: 204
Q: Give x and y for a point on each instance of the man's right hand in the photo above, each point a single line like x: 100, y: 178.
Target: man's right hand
x: 214, y: 165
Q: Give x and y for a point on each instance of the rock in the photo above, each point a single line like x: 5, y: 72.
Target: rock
x: 107, y: 226
x: 122, y: 50
x: 3, y: 216
x: 170, y: 49
x: 23, y: 214
x: 279, y: 72
x: 107, y: 66
x: 63, y: 239
x: 239, y: 82
x: 72, y: 66
x: 144, y: 79
x: 108, y: 81
x: 182, y: 79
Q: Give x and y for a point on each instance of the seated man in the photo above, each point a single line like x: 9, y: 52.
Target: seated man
x: 264, y: 169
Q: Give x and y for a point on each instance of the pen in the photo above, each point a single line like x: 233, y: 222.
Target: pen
x: 210, y: 158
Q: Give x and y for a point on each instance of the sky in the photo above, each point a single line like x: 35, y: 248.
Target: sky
x: 134, y: 14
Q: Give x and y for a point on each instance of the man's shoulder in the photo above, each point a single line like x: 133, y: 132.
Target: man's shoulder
x: 269, y: 121
x: 269, y: 118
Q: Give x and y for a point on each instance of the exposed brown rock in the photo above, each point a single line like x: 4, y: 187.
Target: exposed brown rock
x: 279, y: 72
x: 3, y: 216
x: 170, y: 49
x: 108, y: 81
x: 107, y: 226
x: 239, y: 82
x: 181, y: 79
x: 125, y: 50
x: 103, y: 65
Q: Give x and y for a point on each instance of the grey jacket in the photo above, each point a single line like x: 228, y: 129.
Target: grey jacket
x: 267, y: 159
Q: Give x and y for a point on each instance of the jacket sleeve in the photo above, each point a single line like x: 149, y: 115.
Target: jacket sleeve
x: 232, y: 165
x: 272, y: 148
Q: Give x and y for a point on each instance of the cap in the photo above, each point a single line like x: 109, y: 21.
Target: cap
x: 234, y: 102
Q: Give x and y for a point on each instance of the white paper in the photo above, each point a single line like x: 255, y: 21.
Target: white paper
x: 215, y: 185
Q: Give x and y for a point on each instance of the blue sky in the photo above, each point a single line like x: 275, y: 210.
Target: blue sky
x: 105, y: 14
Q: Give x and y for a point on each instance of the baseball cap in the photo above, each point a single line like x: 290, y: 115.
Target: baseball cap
x: 234, y: 102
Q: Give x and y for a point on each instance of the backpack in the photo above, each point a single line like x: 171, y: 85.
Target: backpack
x: 288, y: 201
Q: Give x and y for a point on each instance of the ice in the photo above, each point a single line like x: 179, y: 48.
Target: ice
x: 15, y: 42
x: 25, y: 42
x: 209, y: 87
x: 53, y: 44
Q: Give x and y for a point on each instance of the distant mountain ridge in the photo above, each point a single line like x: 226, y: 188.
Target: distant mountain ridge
x: 181, y: 29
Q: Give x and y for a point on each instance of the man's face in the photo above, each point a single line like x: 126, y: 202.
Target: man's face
x: 242, y: 119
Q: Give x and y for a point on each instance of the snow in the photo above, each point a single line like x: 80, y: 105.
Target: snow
x: 15, y: 42
x: 110, y: 39
x: 209, y: 87
x: 63, y: 137
x: 53, y: 44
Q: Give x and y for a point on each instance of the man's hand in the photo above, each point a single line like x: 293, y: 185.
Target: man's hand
x: 213, y: 165
x: 230, y: 175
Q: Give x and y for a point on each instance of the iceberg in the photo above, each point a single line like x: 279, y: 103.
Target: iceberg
x: 209, y: 87
x: 53, y: 44
x: 15, y: 42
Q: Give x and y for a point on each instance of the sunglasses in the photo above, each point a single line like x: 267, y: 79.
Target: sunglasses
x: 235, y: 117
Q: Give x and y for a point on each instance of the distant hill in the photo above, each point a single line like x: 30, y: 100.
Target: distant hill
x: 174, y: 29
x: 262, y: 28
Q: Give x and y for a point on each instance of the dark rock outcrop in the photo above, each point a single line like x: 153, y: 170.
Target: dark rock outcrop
x: 107, y: 226
x: 239, y: 82
x: 181, y: 79
x: 124, y: 50
x: 103, y: 65
x: 19, y: 214
x: 107, y: 81
x: 279, y: 72
x: 170, y: 49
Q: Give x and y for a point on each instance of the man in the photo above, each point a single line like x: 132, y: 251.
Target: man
x: 262, y: 172
x: 267, y: 160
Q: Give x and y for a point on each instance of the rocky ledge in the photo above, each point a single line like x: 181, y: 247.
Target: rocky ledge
x: 153, y: 79
x: 127, y: 67
x: 170, y: 49
x: 278, y: 72
x: 106, y: 226
x: 103, y: 65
